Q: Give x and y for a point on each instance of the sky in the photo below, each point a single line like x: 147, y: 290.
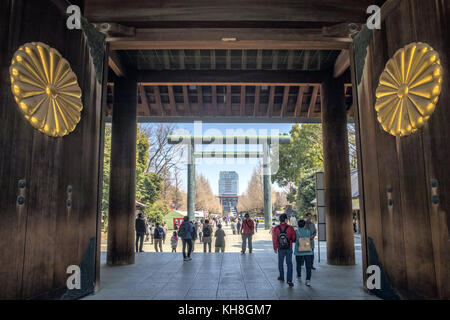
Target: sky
x: 210, y: 168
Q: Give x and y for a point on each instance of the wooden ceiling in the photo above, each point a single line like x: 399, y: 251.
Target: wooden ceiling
x: 231, y: 84
x: 238, y: 59
x: 228, y: 103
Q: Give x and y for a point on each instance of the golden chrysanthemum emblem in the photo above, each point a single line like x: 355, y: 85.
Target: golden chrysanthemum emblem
x: 45, y: 89
x: 409, y: 89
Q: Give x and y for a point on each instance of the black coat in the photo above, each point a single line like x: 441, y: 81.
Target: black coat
x: 140, y: 225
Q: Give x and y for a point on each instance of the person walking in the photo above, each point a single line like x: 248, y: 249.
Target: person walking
x: 283, y: 236
x: 200, y: 231
x: 158, y: 237
x: 293, y: 221
x: 303, y: 251
x: 185, y: 232
x: 256, y: 224
x: 207, y: 236
x: 174, y: 241
x: 238, y: 226
x: 233, y: 227
x: 273, y: 226
x: 247, y: 231
x: 313, y: 231
x: 147, y: 230
x: 152, y: 232
x: 194, y: 235
x: 220, y: 239
x: 140, y: 232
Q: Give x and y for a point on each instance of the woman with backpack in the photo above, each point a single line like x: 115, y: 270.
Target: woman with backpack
x: 185, y: 233
x: 207, y: 235
x: 303, y: 251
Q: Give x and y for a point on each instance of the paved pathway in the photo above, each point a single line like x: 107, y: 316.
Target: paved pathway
x: 227, y: 275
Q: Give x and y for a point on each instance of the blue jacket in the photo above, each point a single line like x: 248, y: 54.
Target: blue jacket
x: 187, y: 225
x: 302, y: 233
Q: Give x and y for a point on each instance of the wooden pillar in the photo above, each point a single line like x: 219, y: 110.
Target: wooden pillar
x: 338, y: 200
x: 267, y: 180
x: 121, y: 234
x: 191, y: 182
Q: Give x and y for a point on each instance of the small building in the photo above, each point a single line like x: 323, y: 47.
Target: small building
x: 171, y: 217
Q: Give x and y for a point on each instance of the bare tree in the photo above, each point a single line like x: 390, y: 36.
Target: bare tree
x: 162, y: 155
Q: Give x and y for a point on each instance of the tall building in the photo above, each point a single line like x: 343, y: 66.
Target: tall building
x: 228, y: 191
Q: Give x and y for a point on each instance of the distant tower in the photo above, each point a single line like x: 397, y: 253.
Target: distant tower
x: 228, y: 191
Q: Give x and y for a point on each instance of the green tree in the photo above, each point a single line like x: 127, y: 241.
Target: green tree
x: 148, y: 184
x: 298, y: 162
x: 156, y: 211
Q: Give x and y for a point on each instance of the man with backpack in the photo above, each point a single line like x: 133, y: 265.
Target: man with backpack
x: 158, y: 236
x: 247, y: 231
x: 283, y: 236
x: 185, y: 233
x: 207, y: 235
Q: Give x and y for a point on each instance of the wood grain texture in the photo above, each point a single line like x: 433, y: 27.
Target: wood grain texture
x: 411, y: 236
x: 338, y: 199
x: 39, y: 243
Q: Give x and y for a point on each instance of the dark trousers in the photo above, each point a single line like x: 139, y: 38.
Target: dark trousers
x: 139, y: 240
x: 308, y: 264
x: 187, y: 242
x: 285, y: 254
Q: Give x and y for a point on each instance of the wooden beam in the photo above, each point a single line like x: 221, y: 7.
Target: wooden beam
x: 214, y: 12
x: 166, y: 59
x: 213, y: 59
x: 242, y: 108
x: 306, y: 60
x: 158, y: 100
x: 256, y: 105
x: 214, y: 99
x: 234, y: 77
x: 342, y: 63
x: 271, y: 101
x: 198, y: 59
x: 285, y: 101
x: 181, y: 59
x: 187, y: 107
x: 244, y: 60
x: 259, y: 60
x: 201, y: 107
x: 173, y: 105
x: 228, y: 101
x: 144, y: 100
x: 275, y: 60
x: 115, y: 64
x: 298, y: 104
x: 254, y: 39
x: 313, y: 100
x: 290, y: 60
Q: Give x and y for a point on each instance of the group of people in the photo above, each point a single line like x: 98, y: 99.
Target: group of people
x: 284, y: 236
x: 236, y: 224
x: 188, y: 233
x: 288, y: 234
x: 146, y: 230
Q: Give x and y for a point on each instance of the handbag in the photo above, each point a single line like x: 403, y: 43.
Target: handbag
x: 304, y: 244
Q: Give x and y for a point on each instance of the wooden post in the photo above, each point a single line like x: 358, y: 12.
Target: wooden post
x: 121, y: 234
x: 338, y: 200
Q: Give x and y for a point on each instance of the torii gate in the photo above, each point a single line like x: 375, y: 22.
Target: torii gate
x: 265, y: 141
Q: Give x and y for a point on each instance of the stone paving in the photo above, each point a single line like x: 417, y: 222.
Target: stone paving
x: 228, y: 275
